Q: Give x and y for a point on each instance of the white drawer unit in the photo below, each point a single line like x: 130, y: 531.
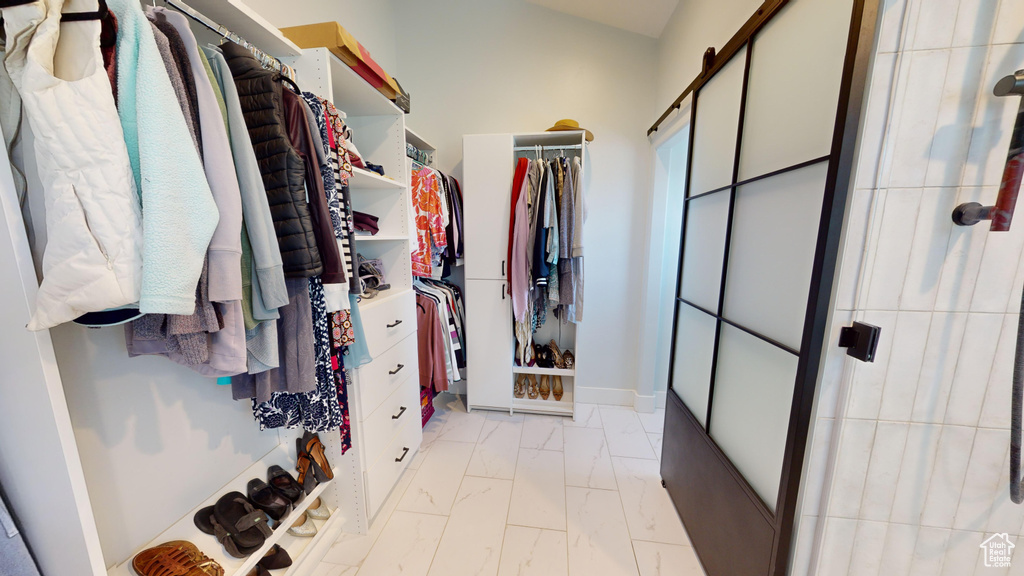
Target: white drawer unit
x: 382, y: 474
x: 383, y: 424
x: 388, y: 322
x: 378, y: 379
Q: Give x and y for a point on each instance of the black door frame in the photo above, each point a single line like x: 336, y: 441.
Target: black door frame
x: 734, y: 533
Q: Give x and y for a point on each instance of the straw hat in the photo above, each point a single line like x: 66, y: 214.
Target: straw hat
x: 567, y: 125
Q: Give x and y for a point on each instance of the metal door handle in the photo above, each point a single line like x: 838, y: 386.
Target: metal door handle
x: 399, y: 415
x: 396, y: 370
x: 502, y: 291
x: 502, y: 268
x: 395, y: 323
x: 404, y: 453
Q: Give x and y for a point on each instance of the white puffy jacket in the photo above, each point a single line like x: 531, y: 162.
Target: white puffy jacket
x: 93, y: 256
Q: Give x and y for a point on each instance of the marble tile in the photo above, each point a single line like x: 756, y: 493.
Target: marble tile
x: 1008, y: 23
x: 897, y: 552
x: 951, y: 139
x: 896, y: 233
x: 656, y: 440
x: 328, y: 569
x: 350, y: 548
x: 837, y: 547
x: 496, y: 451
x: 915, y: 472
x: 654, y: 423
x: 945, y: 335
x: 856, y: 439
x: 990, y: 138
x: 975, y: 20
x: 905, y: 361
x: 974, y: 364
x: 534, y: 552
x: 930, y: 551
x: 868, y: 545
x: 947, y: 480
x: 928, y: 248
x: 471, y: 544
x: 542, y: 432
x: 587, y: 462
x: 982, y: 482
x: 650, y: 514
x: 406, y: 546
x: 961, y: 264
x: 625, y: 433
x: 961, y: 554
x: 497, y: 416
x: 935, y: 25
x: 587, y: 416
x: 538, y: 493
x: 883, y: 470
x: 465, y: 428
x: 917, y: 114
x: 995, y: 411
x: 656, y: 559
x: 435, y: 484
x: 599, y: 541
x: 868, y: 380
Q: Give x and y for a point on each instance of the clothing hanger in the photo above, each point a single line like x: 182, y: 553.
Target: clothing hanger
x: 99, y: 14
x: 288, y: 80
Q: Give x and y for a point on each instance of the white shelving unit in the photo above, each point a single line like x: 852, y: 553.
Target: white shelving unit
x: 385, y: 443
x: 488, y: 167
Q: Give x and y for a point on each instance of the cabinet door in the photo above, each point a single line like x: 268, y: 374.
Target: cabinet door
x: 488, y: 344
x: 487, y: 179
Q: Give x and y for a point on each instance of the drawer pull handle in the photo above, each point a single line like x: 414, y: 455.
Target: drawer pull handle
x: 405, y: 453
x: 396, y: 370
x: 399, y: 415
x: 395, y: 323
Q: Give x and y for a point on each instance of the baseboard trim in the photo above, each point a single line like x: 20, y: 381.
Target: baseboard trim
x: 606, y: 396
x: 659, y: 400
x: 644, y: 404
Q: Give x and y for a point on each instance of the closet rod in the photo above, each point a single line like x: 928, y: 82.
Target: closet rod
x: 566, y: 147
x: 263, y: 57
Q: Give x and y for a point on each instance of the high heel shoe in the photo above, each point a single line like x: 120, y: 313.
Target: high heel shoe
x: 545, y: 388
x: 531, y: 389
x: 570, y: 360
x: 556, y: 354
x: 557, y: 389
x: 519, y: 391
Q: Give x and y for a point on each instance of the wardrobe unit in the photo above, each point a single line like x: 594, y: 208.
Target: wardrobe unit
x: 488, y: 165
x: 384, y: 395
x: 130, y: 448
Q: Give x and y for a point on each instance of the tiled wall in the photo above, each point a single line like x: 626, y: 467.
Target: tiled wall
x: 911, y: 452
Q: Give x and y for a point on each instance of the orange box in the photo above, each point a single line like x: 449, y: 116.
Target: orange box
x: 332, y: 36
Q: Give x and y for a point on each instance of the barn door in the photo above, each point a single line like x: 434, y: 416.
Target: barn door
x: 769, y: 168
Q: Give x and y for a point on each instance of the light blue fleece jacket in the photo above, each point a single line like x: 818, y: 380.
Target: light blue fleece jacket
x: 178, y: 211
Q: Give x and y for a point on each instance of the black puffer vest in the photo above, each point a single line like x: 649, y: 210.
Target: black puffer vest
x: 281, y: 166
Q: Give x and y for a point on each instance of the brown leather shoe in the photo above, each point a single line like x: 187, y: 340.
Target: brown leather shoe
x: 531, y: 388
x: 175, y: 558
x: 557, y: 389
x: 545, y: 387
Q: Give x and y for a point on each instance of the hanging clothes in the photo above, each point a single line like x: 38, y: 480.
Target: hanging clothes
x: 93, y: 257
x: 430, y: 232
x: 342, y: 165
x: 179, y: 215
x: 430, y: 334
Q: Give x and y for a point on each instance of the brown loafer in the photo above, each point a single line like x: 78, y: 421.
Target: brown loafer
x: 557, y: 390
x: 545, y: 388
x: 175, y: 558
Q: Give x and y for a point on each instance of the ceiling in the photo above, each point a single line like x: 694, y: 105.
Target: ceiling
x: 647, y: 17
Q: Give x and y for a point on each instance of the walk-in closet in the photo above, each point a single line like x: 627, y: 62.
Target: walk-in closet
x: 511, y: 288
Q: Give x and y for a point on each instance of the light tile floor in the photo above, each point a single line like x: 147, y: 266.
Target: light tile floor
x: 491, y: 494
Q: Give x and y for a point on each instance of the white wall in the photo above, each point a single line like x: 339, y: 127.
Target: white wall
x: 509, y: 66
x: 912, y: 451
x: 370, y: 21
x: 695, y: 25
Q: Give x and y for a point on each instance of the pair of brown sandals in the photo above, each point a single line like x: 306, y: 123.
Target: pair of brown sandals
x: 182, y: 558
x: 527, y: 385
x: 312, y: 462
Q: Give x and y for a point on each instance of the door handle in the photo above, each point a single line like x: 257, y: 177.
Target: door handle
x: 502, y: 291
x: 396, y: 370
x: 395, y: 323
x: 399, y: 415
x: 502, y: 268
x: 405, y: 452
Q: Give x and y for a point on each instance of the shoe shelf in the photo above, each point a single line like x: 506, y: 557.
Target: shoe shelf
x: 297, y: 546
x: 185, y: 529
x: 380, y: 238
x: 561, y: 407
x: 541, y: 371
x: 368, y: 179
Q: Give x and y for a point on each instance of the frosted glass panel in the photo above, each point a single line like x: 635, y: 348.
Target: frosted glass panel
x: 793, y: 90
x: 750, y: 416
x: 774, y: 234
x: 704, y: 249
x: 691, y: 371
x: 714, y: 137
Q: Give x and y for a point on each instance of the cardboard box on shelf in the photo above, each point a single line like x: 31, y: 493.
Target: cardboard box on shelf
x: 332, y: 36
